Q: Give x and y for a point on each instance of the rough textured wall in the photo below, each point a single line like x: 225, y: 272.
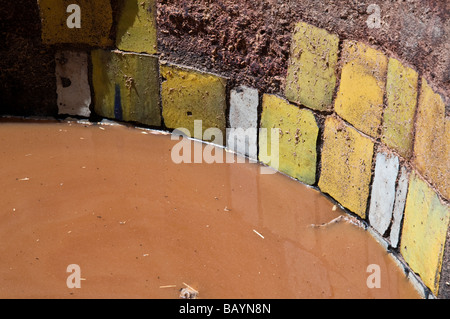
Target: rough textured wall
x: 27, y: 68
x: 250, y: 40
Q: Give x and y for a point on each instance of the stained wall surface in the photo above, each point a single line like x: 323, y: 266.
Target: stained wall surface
x: 347, y: 87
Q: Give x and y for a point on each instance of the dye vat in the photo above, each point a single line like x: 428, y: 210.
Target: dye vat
x: 111, y: 200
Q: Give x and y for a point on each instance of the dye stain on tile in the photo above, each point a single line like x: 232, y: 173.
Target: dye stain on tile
x: 398, y: 118
x: 136, y: 28
x: 126, y: 86
x: 188, y: 95
x: 431, y: 150
x: 76, y: 21
x: 298, y: 132
x: 424, y: 232
x: 311, y: 77
x: 359, y: 100
x: 118, y: 114
x: 346, y: 165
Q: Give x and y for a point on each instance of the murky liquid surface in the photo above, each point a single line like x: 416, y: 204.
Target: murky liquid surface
x: 111, y: 200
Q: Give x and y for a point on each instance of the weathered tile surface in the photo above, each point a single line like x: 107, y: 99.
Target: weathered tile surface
x: 398, y: 119
x: 360, y: 97
x: 431, y: 150
x: 311, y: 77
x: 424, y: 232
x: 136, y: 28
x: 126, y: 86
x: 189, y: 95
x: 298, y: 133
x: 383, y: 192
x: 243, y: 137
x: 95, y: 22
x: 346, y: 165
x: 399, y: 207
x: 72, y: 84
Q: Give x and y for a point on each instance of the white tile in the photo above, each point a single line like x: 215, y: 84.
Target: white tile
x: 242, y: 135
x: 72, y: 84
x: 399, y: 207
x: 383, y: 192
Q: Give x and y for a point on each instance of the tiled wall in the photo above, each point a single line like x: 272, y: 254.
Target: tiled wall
x: 352, y: 121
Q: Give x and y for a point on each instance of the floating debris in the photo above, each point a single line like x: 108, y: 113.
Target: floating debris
x: 257, y: 233
x: 188, y: 292
x: 342, y: 218
x: 168, y: 286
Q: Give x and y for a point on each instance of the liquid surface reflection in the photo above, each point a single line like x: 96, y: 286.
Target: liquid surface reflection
x: 110, y: 199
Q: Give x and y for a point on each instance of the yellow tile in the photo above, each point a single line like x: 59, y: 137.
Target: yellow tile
x: 346, y: 165
x: 398, y: 123
x: 188, y: 95
x: 311, y: 77
x: 126, y: 86
x: 95, y: 22
x: 298, y: 133
x: 136, y: 28
x: 431, y: 150
x: 360, y: 97
x: 424, y: 232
